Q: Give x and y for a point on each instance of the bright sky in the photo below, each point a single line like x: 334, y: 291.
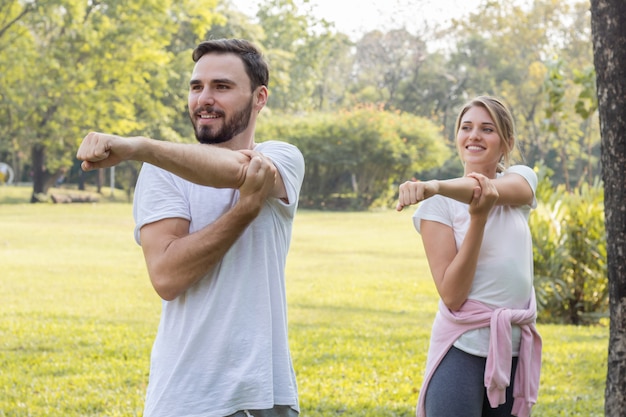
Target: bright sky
x: 355, y: 17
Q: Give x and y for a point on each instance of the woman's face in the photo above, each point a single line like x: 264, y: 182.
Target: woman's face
x: 478, y: 142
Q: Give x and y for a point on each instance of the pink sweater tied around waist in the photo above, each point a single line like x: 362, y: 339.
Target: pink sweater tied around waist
x: 449, y: 326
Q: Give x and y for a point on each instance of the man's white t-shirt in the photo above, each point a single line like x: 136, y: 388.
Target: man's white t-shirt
x: 222, y: 345
x: 504, y: 271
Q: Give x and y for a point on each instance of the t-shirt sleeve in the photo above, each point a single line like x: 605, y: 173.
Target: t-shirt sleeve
x: 158, y: 195
x: 433, y: 209
x: 529, y: 175
x: 290, y: 165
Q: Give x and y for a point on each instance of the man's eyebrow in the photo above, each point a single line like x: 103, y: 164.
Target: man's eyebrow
x: 222, y: 81
x: 214, y: 81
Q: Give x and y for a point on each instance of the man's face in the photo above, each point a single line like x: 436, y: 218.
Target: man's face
x: 220, y: 100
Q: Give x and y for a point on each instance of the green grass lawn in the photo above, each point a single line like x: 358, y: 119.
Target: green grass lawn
x: 78, y: 316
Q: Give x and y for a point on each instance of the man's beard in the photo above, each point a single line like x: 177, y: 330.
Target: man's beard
x: 231, y: 128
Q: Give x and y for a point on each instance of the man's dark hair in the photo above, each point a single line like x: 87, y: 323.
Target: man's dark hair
x: 253, y: 60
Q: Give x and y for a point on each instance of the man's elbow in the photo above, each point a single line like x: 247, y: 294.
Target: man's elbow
x: 165, y: 288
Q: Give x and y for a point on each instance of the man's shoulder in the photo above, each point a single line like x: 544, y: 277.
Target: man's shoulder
x: 281, y: 151
x: 275, y: 144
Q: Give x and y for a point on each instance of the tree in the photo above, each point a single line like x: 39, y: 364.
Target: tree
x: 385, y: 63
x: 235, y: 25
x: 12, y: 94
x: 356, y: 158
x: 608, y: 20
x: 292, y: 48
x: 70, y: 66
x: 535, y: 57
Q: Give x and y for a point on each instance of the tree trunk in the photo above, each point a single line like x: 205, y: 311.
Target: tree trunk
x: 608, y: 20
x: 100, y: 180
x: 43, y: 179
x: 38, y: 156
x: 81, y: 179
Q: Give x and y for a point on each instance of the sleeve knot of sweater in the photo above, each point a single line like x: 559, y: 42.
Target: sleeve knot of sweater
x: 449, y: 325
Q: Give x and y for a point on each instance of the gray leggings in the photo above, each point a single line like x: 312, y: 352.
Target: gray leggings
x: 277, y: 411
x: 457, y: 388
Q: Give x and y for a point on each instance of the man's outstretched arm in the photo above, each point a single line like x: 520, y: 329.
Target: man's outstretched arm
x: 202, y: 164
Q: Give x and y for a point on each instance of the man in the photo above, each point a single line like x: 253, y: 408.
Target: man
x: 214, y: 221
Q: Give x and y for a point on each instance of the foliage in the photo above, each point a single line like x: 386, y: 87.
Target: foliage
x: 532, y: 57
x: 388, y: 65
x: 579, y: 157
x: 308, y: 63
x: 79, y: 318
x: 71, y: 66
x: 87, y: 66
x: 355, y: 159
x: 570, y: 253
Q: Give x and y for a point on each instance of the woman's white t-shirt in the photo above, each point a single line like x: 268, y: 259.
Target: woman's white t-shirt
x: 504, y: 271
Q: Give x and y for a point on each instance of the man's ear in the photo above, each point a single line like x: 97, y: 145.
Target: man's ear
x: 261, y: 97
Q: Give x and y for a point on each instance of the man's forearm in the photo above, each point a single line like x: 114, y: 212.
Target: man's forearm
x: 177, y: 262
x: 208, y: 165
x: 202, y: 164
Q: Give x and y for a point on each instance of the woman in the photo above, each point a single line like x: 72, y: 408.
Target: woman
x: 485, y: 353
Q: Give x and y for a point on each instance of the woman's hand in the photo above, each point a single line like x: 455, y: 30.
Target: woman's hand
x: 484, y: 197
x: 412, y: 192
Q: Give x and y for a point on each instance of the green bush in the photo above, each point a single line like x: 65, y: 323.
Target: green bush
x: 570, y: 253
x: 356, y: 158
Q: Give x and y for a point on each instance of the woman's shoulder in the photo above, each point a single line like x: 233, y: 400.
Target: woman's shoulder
x: 522, y: 170
x: 526, y: 172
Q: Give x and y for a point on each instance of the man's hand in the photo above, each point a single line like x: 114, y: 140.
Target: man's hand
x: 412, y: 192
x: 100, y: 150
x: 259, y: 182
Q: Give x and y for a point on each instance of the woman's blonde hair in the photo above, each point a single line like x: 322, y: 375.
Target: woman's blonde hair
x: 504, y: 124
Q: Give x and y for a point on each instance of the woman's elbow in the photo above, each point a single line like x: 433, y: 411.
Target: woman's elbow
x: 454, y: 303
